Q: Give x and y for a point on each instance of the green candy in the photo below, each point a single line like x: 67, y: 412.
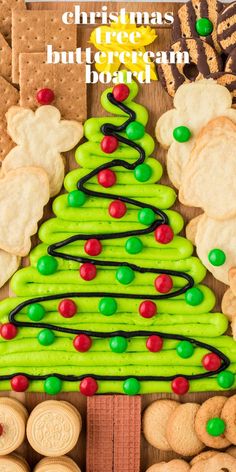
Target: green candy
x: 35, y: 312
x: 47, y: 265
x: 204, y: 26
x: 215, y: 427
x: 135, y: 130
x: 52, y: 385
x: 185, y: 349
x: 216, y: 257
x: 118, y: 344
x: 225, y: 379
x: 143, y: 172
x: 46, y: 337
x: 194, y: 296
x: 76, y: 198
x: 133, y: 245
x: 107, y: 306
x: 146, y: 216
x: 124, y: 275
x: 131, y: 386
x: 182, y: 134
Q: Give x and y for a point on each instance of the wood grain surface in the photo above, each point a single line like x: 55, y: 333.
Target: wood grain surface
x: 155, y: 99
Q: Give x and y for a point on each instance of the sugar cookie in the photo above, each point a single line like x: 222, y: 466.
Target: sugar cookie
x: 13, y: 418
x: 203, y: 456
x: 231, y: 451
x: 228, y: 80
x: 228, y: 304
x: 155, y: 420
x: 57, y: 464
x: 220, y: 462
x: 180, y: 430
x: 172, y: 466
x: 211, y: 409
x: 228, y: 414
x: 53, y: 428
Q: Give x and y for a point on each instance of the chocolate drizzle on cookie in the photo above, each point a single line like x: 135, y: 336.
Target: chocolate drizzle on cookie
x: 54, y: 250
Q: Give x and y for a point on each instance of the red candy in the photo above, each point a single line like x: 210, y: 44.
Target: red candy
x: 1, y: 430
x: 67, y: 308
x: 8, y: 331
x: 109, y: 144
x: 88, y: 271
x: 93, y: 247
x: 180, y: 385
x: 147, y: 309
x: 19, y: 383
x: 211, y: 362
x: 163, y: 283
x: 106, y: 178
x: 88, y: 386
x: 117, y: 209
x: 45, y: 96
x: 154, y: 343
x: 164, y: 234
x: 82, y: 343
x: 120, y: 92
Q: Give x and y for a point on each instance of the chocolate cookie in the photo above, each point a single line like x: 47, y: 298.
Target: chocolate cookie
x: 226, y: 28
x: 187, y: 25
x: 230, y: 65
x: 203, y: 59
x: 228, y: 80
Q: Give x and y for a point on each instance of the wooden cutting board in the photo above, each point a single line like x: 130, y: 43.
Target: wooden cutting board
x: 156, y: 100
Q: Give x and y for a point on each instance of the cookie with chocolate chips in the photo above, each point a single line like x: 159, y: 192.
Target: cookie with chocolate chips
x: 226, y: 28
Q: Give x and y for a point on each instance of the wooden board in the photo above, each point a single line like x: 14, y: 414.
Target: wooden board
x: 155, y: 99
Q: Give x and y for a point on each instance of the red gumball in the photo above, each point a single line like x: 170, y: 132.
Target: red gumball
x: 163, y: 283
x: 147, y: 309
x: 211, y: 362
x: 180, y: 385
x: 109, y: 144
x: 154, y: 343
x: 88, y: 386
x: 120, y: 92
x: 82, y: 343
x: 106, y: 178
x: 8, y: 331
x: 93, y: 247
x: 45, y: 96
x: 117, y: 209
x: 19, y: 383
x: 164, y: 234
x: 67, y: 308
x: 88, y: 271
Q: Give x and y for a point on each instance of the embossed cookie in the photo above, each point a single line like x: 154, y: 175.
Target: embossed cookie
x: 220, y: 462
x: 57, y: 464
x: 155, y: 421
x: 53, y: 428
x: 185, y: 22
x: 208, y: 424
x: 228, y: 415
x: 13, y: 418
x: 203, y: 61
x: 226, y: 28
x: 172, y: 466
x: 181, y: 432
x: 13, y: 463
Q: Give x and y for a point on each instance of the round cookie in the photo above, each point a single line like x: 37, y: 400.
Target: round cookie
x: 13, y: 418
x: 228, y: 304
x: 203, y: 456
x: 172, y: 466
x: 184, y: 25
x: 155, y: 420
x: 13, y: 463
x: 57, y: 464
x: 211, y: 408
x: 204, y: 61
x: 180, y: 430
x: 220, y: 462
x: 230, y: 65
x: 53, y: 428
x: 228, y: 414
x: 226, y: 28
x: 228, y: 80
x: 231, y: 451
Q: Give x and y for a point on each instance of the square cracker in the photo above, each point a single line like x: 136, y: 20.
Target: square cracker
x: 66, y: 80
x: 9, y: 96
x: 6, y: 7
x: 33, y: 30
x: 5, y: 58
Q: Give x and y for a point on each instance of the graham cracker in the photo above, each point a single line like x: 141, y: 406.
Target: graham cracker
x: 33, y: 30
x: 5, y: 59
x: 66, y: 80
x: 9, y: 96
x: 6, y: 7
x: 99, y: 445
x: 127, y: 433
